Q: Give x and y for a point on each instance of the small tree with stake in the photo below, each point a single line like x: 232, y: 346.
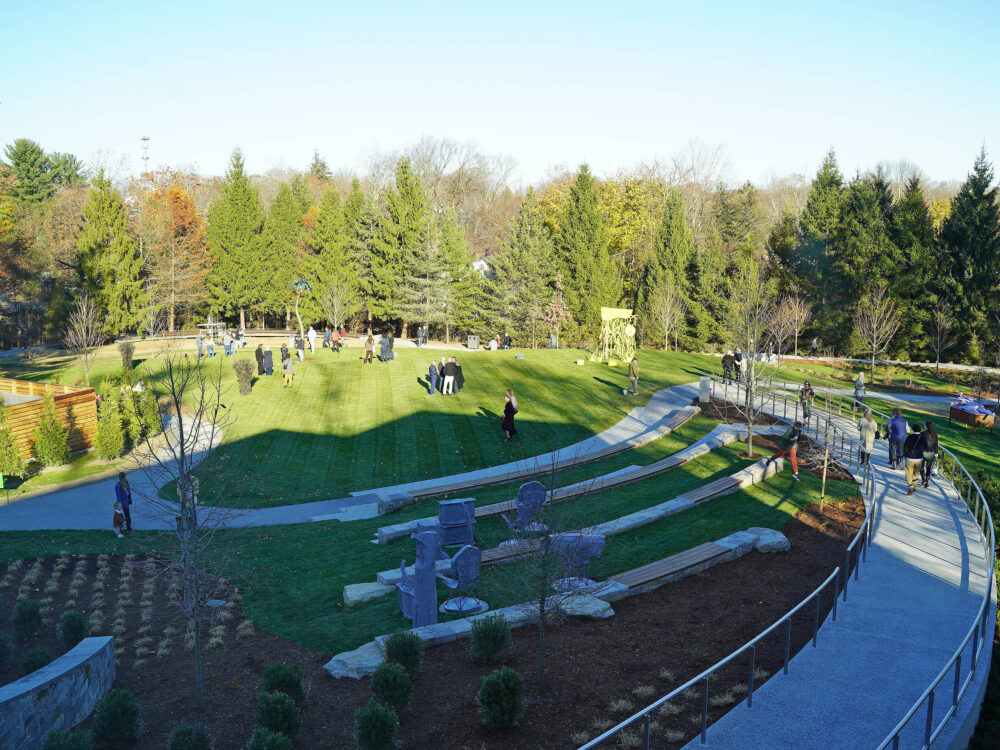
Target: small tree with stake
x: 84, y: 332
x: 300, y: 286
x: 877, y: 321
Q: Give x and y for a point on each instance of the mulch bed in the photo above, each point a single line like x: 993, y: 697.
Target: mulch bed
x: 653, y: 643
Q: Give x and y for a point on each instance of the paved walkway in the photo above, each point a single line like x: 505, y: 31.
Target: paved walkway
x: 914, y: 602
x: 89, y: 506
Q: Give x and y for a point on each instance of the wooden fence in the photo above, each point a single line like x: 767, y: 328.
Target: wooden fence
x: 76, y: 408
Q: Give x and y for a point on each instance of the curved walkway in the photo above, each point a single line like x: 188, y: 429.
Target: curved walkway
x: 89, y: 506
x: 917, y: 596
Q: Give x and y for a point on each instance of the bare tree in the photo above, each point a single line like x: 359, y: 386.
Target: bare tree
x: 877, y: 322
x: 943, y: 336
x: 339, y: 300
x: 798, y: 312
x: 668, y: 310
x: 752, y: 309
x: 84, y: 332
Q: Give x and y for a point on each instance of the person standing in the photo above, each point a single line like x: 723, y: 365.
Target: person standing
x: 118, y: 520
x: 326, y: 337
x: 788, y: 445
x: 284, y: 353
x: 369, y: 349
x: 896, y: 429
x: 432, y: 377
x: 300, y: 346
x: 814, y: 349
x: 227, y: 343
x: 913, y: 452
x: 383, y: 349
x: 343, y: 331
x: 728, y: 363
x: 268, y: 361
x: 806, y: 396
x: 449, y: 377
x: 241, y: 339
x: 459, y: 377
x: 738, y: 364
x: 210, y: 345
x: 259, y: 354
x: 392, y: 341
x: 311, y: 335
x: 929, y: 446
x: 633, y: 375
x: 859, y: 392
x: 289, y: 369
x: 867, y: 429
x: 199, y: 343
x: 123, y: 495
x: 335, y: 341
x: 513, y: 398
x: 507, y: 423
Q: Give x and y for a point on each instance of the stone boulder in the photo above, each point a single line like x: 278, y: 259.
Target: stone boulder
x: 585, y: 606
x: 769, y: 540
x: 362, y: 662
x: 358, y: 593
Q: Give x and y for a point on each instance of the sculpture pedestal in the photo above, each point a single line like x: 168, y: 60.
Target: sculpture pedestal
x: 463, y: 605
x: 576, y: 583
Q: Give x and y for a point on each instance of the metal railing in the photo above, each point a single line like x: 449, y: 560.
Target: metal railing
x: 847, y: 450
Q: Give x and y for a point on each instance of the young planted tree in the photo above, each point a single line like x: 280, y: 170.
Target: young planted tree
x: 942, y: 334
x: 12, y: 464
x: 557, y: 314
x: 798, y: 313
x: 84, y: 332
x: 666, y: 311
x: 876, y: 321
x: 301, y: 287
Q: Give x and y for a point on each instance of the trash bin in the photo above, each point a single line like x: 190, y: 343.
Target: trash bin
x: 473, y: 342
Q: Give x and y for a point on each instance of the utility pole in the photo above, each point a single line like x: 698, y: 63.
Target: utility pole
x: 145, y: 154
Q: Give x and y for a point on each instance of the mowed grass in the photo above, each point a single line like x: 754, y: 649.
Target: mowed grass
x: 346, y: 427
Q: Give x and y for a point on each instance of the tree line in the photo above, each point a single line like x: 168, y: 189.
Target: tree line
x: 436, y: 236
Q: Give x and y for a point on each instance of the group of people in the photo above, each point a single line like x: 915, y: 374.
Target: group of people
x: 386, y: 351
x: 499, y: 343
x: 449, y: 373
x: 915, y: 448
x: 732, y: 365
x: 265, y: 362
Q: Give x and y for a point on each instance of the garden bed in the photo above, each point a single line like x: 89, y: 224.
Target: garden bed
x: 653, y: 643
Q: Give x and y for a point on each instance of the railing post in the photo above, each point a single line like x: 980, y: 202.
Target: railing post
x: 645, y: 732
x: 930, y: 719
x: 816, y: 622
x: 788, y: 643
x: 704, y: 710
x: 958, y: 680
x: 836, y: 584
x: 753, y: 666
x: 847, y: 570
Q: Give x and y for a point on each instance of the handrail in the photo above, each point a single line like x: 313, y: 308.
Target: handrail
x: 862, y: 536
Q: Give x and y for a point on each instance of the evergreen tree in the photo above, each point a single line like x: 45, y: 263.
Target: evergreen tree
x: 108, y: 259
x: 864, y: 253
x: 970, y: 245
x: 66, y: 170
x: 11, y: 462
x: 234, y: 225
x: 593, y: 281
x: 32, y: 168
x: 739, y: 221
x: 821, y: 216
x: 318, y: 168
x: 51, y: 446
x: 456, y: 258
x: 912, y: 231
x: 281, y: 259
x: 402, y: 234
x: 666, y: 267
x: 425, y: 281
x: 361, y: 224
x: 338, y: 284
x: 301, y: 192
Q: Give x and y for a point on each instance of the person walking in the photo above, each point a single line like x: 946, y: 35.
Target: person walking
x: 459, y: 377
x: 929, y: 440
x: 859, y: 392
x: 210, y: 345
x: 867, y: 430
x: 300, y: 346
x: 335, y: 341
x: 284, y: 353
x: 788, y: 445
x: 259, y: 355
x: 806, y: 396
x: 449, y: 377
x: 508, y: 418
x: 123, y: 495
x: 432, y: 377
x: 896, y: 429
x: 392, y: 341
x: 227, y: 344
x: 513, y: 398
x: 913, y: 452
x: 738, y: 364
x: 268, y: 361
x: 369, y: 349
x: 326, y: 337
x: 814, y: 349
x: 199, y: 343
x: 289, y: 369
x: 383, y: 349
x: 728, y: 363
x: 633, y: 375
x: 311, y: 335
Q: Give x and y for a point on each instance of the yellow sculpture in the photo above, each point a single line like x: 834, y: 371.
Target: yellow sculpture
x: 617, y: 335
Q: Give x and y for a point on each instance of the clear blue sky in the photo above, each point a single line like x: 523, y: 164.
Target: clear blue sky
x: 610, y: 83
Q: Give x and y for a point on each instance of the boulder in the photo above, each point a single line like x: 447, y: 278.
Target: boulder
x: 362, y: 662
x: 358, y: 593
x: 769, y: 540
x: 585, y: 606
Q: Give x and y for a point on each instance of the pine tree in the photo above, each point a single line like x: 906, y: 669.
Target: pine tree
x: 402, y: 234
x: 32, y: 168
x: 592, y: 280
x: 281, y: 259
x: 11, y: 462
x: 912, y: 231
x: 234, y: 225
x: 51, y: 446
x: 667, y: 265
x: 108, y: 258
x: 318, y: 168
x: 361, y: 224
x: 66, y: 170
x: 425, y: 281
x: 338, y: 284
x: 821, y: 216
x: 301, y: 192
x: 457, y: 261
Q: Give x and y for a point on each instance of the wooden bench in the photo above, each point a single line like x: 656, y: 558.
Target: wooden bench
x: 712, y: 489
x: 975, y: 421
x: 689, y: 558
x: 509, y: 553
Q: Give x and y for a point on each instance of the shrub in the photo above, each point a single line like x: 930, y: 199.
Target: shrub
x: 110, y: 440
x: 404, y: 648
x: 490, y: 638
x: 189, y: 737
x: 51, y: 446
x: 6, y: 649
x: 11, y: 462
x: 149, y: 413
x: 285, y: 678
x: 27, y: 619
x: 375, y: 727
x: 244, y: 374
x: 116, y: 721
x: 59, y: 740
x: 501, y: 697
x: 277, y: 712
x: 127, y: 350
x: 36, y: 658
x: 263, y: 739
x: 72, y: 628
x: 391, y: 685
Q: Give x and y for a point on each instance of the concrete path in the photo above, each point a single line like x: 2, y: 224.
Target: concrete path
x: 89, y: 506
x: 917, y: 597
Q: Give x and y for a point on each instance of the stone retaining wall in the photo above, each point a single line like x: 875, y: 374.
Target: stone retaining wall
x: 57, y: 696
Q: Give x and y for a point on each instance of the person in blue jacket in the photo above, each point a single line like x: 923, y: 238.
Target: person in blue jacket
x: 123, y: 494
x: 432, y: 376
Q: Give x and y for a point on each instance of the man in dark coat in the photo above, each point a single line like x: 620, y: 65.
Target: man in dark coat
x: 123, y: 494
x: 392, y: 354
x: 268, y: 362
x: 432, y: 377
x: 259, y: 354
x: 459, y: 377
x: 728, y: 363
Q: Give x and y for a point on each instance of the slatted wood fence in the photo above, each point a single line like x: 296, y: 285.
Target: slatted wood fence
x: 76, y: 408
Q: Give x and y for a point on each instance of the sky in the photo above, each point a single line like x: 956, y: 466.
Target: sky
x: 612, y: 84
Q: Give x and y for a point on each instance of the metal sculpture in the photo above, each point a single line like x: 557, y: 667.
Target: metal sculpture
x: 462, y: 578
x: 457, y: 521
x: 617, y: 335
x: 576, y: 550
x: 418, y: 593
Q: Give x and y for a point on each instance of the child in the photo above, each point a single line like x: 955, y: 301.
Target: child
x: 118, y: 520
